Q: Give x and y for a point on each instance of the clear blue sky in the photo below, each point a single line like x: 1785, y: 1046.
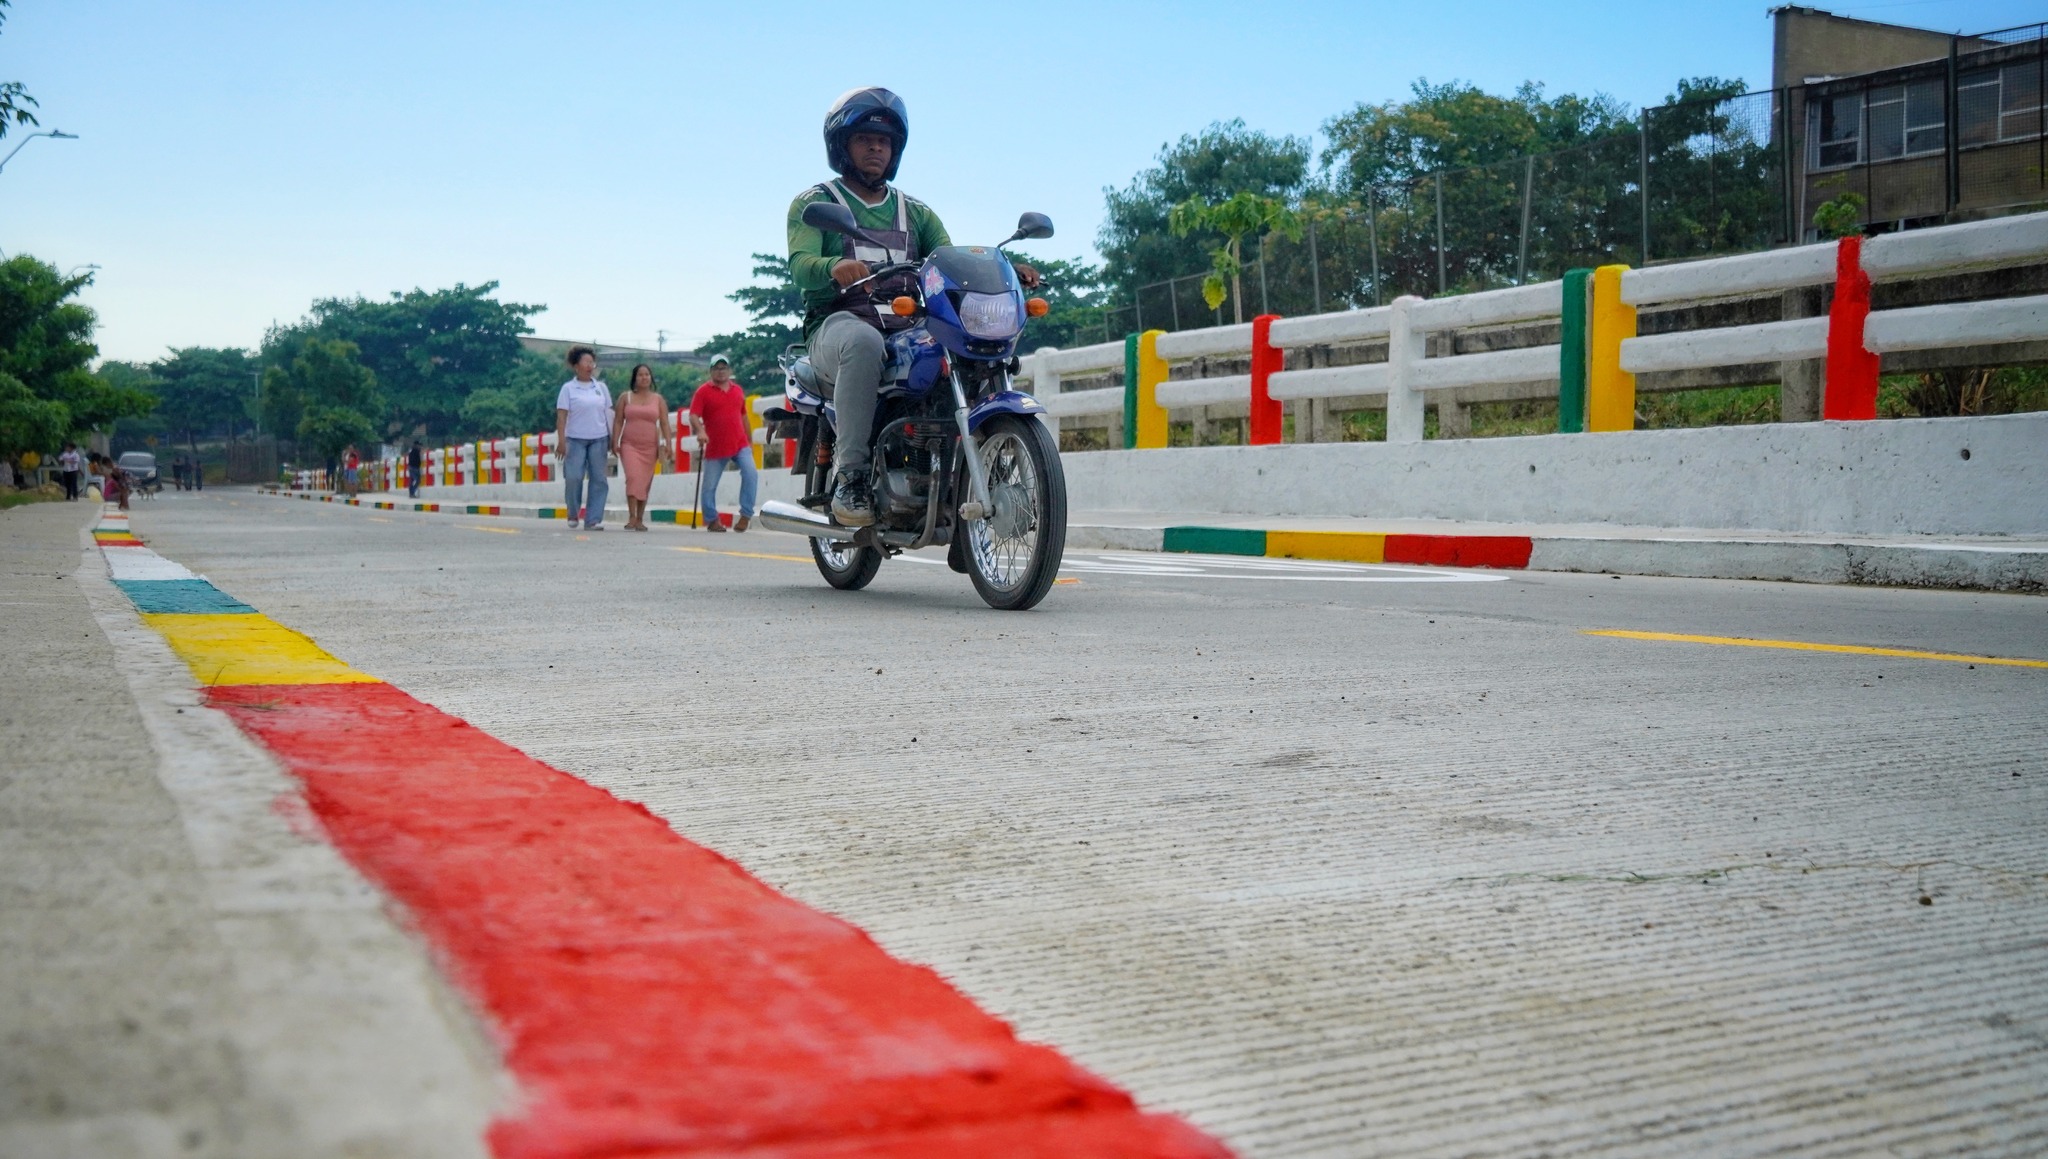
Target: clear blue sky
x: 618, y: 161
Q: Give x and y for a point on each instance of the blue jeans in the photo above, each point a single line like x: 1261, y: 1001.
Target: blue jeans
x: 586, y: 460
x: 714, y: 470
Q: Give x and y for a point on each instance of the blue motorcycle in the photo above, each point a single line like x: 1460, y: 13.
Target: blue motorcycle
x: 968, y: 467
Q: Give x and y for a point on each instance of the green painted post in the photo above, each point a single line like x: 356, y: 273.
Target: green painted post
x: 1571, y: 353
x: 1130, y: 391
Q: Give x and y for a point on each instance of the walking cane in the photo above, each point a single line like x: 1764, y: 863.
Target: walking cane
x: 696, y: 480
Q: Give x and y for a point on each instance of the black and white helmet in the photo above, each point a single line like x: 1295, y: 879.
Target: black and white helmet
x: 869, y: 110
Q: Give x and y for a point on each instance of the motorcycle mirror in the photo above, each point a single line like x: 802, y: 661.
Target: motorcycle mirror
x: 836, y: 218
x: 830, y: 215
x: 1034, y: 227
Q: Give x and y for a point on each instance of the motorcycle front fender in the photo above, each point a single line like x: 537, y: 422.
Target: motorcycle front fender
x: 1006, y: 402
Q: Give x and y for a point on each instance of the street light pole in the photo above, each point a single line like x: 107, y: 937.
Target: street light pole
x: 53, y: 133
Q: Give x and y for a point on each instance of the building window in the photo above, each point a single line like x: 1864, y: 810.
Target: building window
x: 1906, y: 120
x: 1999, y: 104
x: 1834, y: 126
x: 2019, y: 102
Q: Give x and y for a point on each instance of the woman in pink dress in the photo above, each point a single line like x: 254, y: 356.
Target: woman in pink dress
x: 641, y: 432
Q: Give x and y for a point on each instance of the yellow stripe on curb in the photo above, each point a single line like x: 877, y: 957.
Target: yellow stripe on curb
x: 1808, y: 646
x: 249, y: 649
x: 1350, y: 546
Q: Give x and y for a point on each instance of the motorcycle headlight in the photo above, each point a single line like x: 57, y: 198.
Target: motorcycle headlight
x: 991, y: 316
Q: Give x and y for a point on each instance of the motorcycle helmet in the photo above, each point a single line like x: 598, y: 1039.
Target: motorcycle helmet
x: 869, y: 110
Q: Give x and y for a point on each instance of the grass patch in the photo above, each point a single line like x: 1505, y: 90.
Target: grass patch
x: 9, y: 499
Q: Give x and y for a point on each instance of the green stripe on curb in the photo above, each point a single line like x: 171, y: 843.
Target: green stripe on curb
x: 1215, y: 540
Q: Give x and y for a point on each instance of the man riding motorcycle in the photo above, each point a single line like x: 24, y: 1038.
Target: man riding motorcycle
x: 865, y: 131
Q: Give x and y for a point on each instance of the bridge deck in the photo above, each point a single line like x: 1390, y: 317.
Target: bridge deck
x: 1329, y: 859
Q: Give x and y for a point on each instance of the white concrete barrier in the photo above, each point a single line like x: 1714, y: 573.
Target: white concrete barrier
x: 1958, y: 476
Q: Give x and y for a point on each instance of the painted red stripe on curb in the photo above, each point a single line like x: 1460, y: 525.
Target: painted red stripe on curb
x: 650, y: 995
x: 1461, y: 550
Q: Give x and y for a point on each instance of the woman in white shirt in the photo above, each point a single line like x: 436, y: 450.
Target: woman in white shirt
x: 583, y: 439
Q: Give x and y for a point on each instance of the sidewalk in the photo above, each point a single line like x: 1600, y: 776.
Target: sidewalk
x: 1989, y: 563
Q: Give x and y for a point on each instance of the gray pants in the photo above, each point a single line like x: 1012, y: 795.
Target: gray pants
x: 847, y: 353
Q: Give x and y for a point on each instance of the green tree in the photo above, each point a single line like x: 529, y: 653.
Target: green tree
x: 204, y: 391
x: 46, y: 393
x: 1226, y: 159
x: 1383, y: 160
x: 776, y: 309
x: 329, y: 398
x: 430, y: 350
x: 15, y: 102
x: 1714, y: 183
x: 1242, y: 215
x: 522, y: 404
x: 1075, y: 295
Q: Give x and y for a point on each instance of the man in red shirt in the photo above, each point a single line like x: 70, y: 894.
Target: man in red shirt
x: 718, y: 418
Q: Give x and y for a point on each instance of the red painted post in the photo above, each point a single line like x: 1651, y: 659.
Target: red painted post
x: 1266, y: 419
x: 1850, y: 391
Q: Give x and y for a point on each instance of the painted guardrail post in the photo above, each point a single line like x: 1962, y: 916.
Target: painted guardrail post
x: 1404, y: 350
x: 1610, y: 390
x: 1571, y: 351
x: 1267, y: 418
x: 1045, y: 384
x: 1144, y: 370
x: 1850, y: 389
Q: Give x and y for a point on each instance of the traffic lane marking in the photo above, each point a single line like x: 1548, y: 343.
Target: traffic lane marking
x: 744, y: 554
x: 492, y: 530
x: 1811, y: 646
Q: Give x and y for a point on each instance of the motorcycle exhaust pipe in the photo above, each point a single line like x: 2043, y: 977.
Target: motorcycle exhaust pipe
x: 779, y: 516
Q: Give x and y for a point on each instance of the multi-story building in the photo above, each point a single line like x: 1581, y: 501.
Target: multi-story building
x: 1923, y: 126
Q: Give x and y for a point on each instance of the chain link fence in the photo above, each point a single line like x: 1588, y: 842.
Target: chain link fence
x: 1917, y: 145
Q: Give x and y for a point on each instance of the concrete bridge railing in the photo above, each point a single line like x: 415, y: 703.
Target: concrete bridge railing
x: 1592, y: 368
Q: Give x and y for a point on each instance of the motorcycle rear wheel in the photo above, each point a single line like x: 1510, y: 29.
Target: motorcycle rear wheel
x: 1013, y: 556
x: 844, y: 566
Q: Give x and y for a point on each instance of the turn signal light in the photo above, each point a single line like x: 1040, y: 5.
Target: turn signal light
x: 1036, y: 307
x: 904, y: 306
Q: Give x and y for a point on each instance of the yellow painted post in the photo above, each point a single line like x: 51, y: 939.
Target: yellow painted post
x: 755, y: 423
x: 1151, y: 372
x: 526, y: 463
x: 1610, y: 390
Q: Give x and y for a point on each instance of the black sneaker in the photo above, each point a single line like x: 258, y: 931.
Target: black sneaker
x: 853, y: 503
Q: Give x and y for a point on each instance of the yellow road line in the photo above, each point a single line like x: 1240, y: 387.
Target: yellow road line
x: 744, y: 554
x: 492, y: 530
x: 1809, y: 646
x: 378, y: 519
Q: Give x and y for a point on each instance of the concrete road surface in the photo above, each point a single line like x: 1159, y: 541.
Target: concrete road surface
x: 1334, y: 860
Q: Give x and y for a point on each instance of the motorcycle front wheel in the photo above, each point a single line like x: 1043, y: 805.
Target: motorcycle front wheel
x: 1013, y: 556
x: 845, y: 566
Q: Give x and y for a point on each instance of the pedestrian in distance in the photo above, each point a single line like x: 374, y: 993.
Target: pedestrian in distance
x: 70, y: 462
x: 113, y: 480
x: 351, y: 470
x: 718, y: 419
x: 583, y: 439
x: 642, y: 434
x: 414, y: 460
